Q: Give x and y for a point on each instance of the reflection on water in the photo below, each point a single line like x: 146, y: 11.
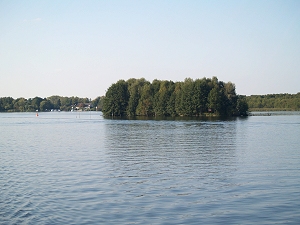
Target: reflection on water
x: 192, y: 143
x: 168, y: 167
x: 62, y: 168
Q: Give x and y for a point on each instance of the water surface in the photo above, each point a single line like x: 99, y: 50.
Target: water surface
x: 78, y: 168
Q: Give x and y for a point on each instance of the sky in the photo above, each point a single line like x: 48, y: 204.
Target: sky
x: 80, y: 48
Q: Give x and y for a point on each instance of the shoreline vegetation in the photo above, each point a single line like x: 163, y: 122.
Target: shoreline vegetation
x: 137, y: 97
x: 52, y: 103
x: 200, y: 97
x: 272, y: 109
x: 274, y: 102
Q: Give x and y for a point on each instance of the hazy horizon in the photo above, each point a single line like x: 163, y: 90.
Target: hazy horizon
x: 79, y: 48
x: 108, y: 87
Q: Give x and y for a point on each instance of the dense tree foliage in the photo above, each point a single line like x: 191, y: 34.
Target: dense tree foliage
x: 274, y: 102
x: 119, y: 95
x: 55, y: 102
x: 138, y: 97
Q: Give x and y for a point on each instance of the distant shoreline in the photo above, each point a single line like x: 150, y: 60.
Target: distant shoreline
x: 272, y: 109
x: 273, y: 113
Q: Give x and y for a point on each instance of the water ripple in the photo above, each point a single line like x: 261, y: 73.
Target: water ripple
x: 68, y: 170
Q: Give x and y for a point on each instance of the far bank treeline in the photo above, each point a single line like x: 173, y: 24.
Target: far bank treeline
x: 274, y: 102
x: 139, y: 97
x: 55, y: 102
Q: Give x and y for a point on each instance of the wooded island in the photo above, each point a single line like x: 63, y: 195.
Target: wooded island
x: 136, y: 97
x: 139, y: 97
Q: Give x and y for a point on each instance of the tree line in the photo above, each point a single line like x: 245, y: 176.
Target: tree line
x: 136, y: 97
x: 55, y: 102
x: 139, y: 97
x: 274, y: 102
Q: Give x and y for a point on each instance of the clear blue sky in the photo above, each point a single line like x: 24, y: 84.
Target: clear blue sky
x: 79, y: 48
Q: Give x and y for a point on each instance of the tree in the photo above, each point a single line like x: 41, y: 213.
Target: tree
x: 231, y: 98
x: 134, y: 88
x: 202, y: 90
x: 6, y: 104
x: 65, y: 103
x: 35, y: 103
x: 188, y: 97
x: 242, y: 105
x: 45, y: 105
x: 145, y: 105
x: 171, y: 110
x: 98, y: 102
x: 215, y: 100
x: 162, y: 98
x: 20, y: 105
x: 55, y: 101
x: 178, y: 98
x: 116, y: 99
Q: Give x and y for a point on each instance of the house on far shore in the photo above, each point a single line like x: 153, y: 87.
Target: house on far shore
x: 83, y: 106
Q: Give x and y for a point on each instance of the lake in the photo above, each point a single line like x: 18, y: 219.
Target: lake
x: 79, y: 168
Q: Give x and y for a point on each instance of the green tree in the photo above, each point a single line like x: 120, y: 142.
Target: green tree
x: 242, y: 105
x: 116, y: 99
x: 134, y: 87
x: 6, y: 104
x: 65, y: 103
x: 55, y: 101
x: 162, y: 98
x: 20, y: 105
x: 202, y: 90
x: 215, y: 100
x: 188, y: 97
x: 178, y: 99
x: 231, y: 98
x: 35, y: 103
x: 45, y: 105
x: 171, y: 110
x: 145, y: 105
x: 98, y: 102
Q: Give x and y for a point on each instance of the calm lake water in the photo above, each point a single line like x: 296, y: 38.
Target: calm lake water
x: 78, y: 168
